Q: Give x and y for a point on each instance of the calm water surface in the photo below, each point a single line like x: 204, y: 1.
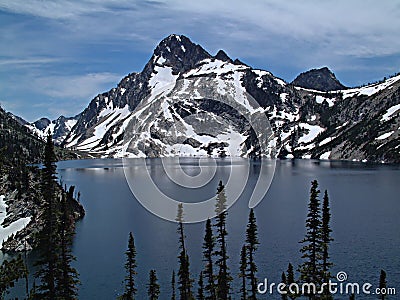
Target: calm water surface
x: 365, y: 209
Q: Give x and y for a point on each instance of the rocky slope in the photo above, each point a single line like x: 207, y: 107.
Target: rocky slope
x: 188, y: 102
x: 20, y: 197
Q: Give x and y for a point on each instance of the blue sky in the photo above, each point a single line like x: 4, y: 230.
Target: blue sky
x: 55, y: 56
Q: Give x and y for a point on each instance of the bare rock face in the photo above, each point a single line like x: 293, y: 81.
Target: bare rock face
x: 319, y: 79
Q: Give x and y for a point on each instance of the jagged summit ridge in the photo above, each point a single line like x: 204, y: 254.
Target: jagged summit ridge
x: 179, y: 53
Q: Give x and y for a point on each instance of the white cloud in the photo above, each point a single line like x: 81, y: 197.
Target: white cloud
x: 83, y: 87
x: 27, y: 61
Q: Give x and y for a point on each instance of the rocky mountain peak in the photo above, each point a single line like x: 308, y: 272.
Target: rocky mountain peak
x: 321, y: 79
x: 221, y: 55
x: 179, y: 53
x: 42, y: 123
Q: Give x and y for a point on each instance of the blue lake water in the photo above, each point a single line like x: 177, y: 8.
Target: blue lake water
x: 365, y: 207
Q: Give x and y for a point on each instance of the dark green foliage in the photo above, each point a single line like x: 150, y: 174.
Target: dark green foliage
x: 208, y: 252
x: 223, y: 278
x: 48, y: 236
x: 59, y: 279
x: 153, y: 288
x: 311, y: 270
x: 184, y: 280
x: 200, y: 290
x: 242, y: 274
x: 252, y: 245
x: 326, y: 239
x: 290, y: 280
x: 173, y: 291
x: 315, y: 250
x: 11, y: 272
x: 67, y: 277
x: 130, y: 267
x: 50, y: 206
x: 382, y: 285
x: 283, y: 280
x: 19, y: 146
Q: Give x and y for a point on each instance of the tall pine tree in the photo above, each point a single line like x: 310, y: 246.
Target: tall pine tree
x: 242, y: 274
x: 284, y: 295
x: 184, y: 280
x: 252, y: 245
x: 208, y: 252
x: 311, y: 270
x: 200, y: 290
x: 290, y: 280
x: 173, y: 290
x: 153, y: 288
x: 224, y: 278
x: 326, y: 240
x: 47, y: 262
x: 130, y: 267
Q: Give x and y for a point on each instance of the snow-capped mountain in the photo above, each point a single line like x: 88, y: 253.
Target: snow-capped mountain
x: 180, y: 80
x: 189, y: 102
x: 58, y: 128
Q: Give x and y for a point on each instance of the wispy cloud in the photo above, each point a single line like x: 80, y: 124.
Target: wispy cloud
x: 93, y: 40
x: 361, y: 28
x: 27, y: 61
x: 84, y: 86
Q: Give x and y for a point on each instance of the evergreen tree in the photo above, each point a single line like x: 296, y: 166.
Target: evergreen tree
x: 382, y: 285
x: 200, y: 290
x: 311, y: 270
x: 284, y: 295
x: 252, y: 245
x: 48, y: 236
x: 11, y: 272
x: 242, y: 274
x: 290, y: 280
x: 223, y: 278
x: 67, y: 277
x: 326, y: 239
x: 173, y: 292
x: 130, y: 267
x: 184, y: 280
x: 153, y: 288
x: 208, y: 252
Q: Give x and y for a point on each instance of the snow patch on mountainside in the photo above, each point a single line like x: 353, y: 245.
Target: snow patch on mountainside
x: 14, y: 227
x: 313, y: 131
x: 321, y: 99
x: 389, y: 113
x: 370, y: 89
x: 161, y: 77
x: 325, y: 155
x: 385, y: 135
x: 109, y: 117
